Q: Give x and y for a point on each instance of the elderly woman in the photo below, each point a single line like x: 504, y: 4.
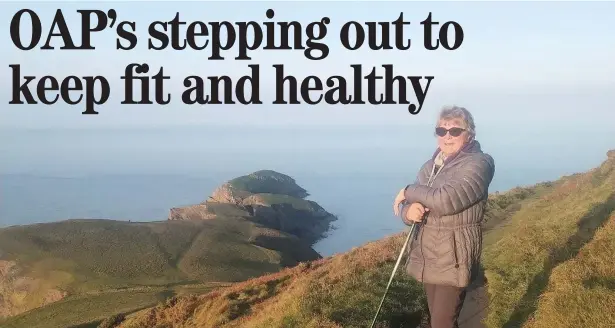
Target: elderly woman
x: 448, y: 200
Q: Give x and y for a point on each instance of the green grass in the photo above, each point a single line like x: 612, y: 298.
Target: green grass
x: 214, y: 258
x: 84, y: 309
x: 89, y: 247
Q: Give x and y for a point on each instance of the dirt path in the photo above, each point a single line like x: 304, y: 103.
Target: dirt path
x: 476, y: 304
x: 474, y: 308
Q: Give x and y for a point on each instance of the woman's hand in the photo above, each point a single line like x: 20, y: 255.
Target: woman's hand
x: 415, y: 212
x: 400, y: 198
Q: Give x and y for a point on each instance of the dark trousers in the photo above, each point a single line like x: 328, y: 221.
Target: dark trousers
x: 445, y: 304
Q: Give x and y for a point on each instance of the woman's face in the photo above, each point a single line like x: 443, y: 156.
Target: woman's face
x: 453, y: 140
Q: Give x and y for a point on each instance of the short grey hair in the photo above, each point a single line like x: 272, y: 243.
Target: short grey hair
x: 458, y: 113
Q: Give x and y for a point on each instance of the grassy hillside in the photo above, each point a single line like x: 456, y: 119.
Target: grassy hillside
x: 541, y: 245
x: 339, y: 291
x: 581, y: 291
x: 96, y: 256
x: 519, y: 258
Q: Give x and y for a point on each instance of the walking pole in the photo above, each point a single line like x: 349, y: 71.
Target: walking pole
x: 401, y: 254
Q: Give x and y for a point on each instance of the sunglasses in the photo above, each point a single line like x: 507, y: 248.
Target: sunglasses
x: 455, y: 132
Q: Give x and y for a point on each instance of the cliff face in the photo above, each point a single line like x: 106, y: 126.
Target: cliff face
x: 265, y: 197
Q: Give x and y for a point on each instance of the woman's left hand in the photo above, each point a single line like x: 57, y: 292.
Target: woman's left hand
x: 400, y: 198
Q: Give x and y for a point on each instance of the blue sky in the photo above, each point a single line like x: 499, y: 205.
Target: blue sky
x: 520, y: 63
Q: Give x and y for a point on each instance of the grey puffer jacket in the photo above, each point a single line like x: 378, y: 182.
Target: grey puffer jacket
x: 448, y: 245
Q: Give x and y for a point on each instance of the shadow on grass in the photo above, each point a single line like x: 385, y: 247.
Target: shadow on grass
x: 587, y: 227
x: 601, y: 282
x: 405, y: 302
x: 406, y: 316
x: 406, y: 320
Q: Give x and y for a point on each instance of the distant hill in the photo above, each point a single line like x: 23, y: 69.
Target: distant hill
x: 79, y: 271
x: 547, y: 259
x: 266, y: 197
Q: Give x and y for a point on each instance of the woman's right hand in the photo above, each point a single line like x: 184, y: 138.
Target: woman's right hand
x: 415, y: 212
x: 398, y: 199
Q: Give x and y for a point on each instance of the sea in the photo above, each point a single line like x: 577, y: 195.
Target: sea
x: 354, y: 172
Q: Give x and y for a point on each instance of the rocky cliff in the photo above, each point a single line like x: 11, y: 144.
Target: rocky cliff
x: 265, y: 197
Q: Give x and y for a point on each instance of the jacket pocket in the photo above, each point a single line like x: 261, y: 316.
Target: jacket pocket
x: 459, y: 274
x: 455, y: 250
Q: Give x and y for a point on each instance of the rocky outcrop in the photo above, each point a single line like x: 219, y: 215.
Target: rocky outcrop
x: 193, y: 212
x: 266, y: 197
x: 226, y: 193
x: 610, y: 154
x: 303, y: 218
x: 16, y: 288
